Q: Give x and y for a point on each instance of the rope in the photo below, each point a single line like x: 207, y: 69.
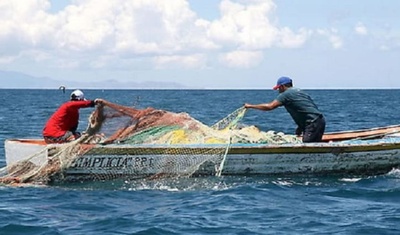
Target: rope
x: 221, y: 165
x: 230, y: 121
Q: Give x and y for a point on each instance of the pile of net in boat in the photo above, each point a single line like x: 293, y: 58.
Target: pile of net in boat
x: 112, y: 126
x: 116, y: 124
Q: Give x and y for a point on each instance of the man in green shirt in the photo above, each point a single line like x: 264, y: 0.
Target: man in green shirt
x: 310, y: 121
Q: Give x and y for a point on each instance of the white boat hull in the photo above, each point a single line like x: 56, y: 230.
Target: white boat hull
x: 147, y: 161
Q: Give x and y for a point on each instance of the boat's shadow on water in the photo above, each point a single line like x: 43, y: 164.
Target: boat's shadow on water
x: 222, y: 183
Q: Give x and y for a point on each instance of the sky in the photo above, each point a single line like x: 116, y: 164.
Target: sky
x: 221, y: 44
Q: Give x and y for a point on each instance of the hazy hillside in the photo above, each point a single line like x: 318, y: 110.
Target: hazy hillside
x: 23, y: 81
x: 20, y: 80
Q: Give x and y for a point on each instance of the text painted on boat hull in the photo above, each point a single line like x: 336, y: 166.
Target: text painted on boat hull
x: 113, y: 162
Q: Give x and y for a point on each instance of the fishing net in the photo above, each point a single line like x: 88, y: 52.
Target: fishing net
x: 124, y: 142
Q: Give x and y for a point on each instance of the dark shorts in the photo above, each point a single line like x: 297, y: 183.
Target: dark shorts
x: 67, y: 137
x: 314, y: 131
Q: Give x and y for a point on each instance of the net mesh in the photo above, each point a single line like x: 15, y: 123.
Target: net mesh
x: 124, y: 142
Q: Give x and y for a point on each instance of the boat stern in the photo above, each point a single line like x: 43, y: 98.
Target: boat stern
x: 22, y: 149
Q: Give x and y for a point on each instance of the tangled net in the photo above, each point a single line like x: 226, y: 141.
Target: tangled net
x: 114, y: 128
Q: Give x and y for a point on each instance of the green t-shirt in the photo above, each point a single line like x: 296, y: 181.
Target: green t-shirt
x: 299, y: 105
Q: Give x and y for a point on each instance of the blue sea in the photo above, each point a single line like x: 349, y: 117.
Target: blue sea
x: 209, y: 205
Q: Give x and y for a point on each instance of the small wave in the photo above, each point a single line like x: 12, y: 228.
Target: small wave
x: 298, y: 181
x: 395, y: 172
x: 179, y: 184
x: 282, y: 183
x: 350, y: 179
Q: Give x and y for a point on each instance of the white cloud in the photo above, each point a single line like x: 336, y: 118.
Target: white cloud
x: 85, y: 27
x: 333, y: 37
x: 245, y: 26
x: 188, y: 62
x: 336, y: 41
x: 288, y: 39
x: 25, y: 24
x: 97, y: 33
x: 7, y: 59
x: 360, y: 29
x: 384, y: 48
x: 241, y: 59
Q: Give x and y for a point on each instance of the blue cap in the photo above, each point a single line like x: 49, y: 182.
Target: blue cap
x: 282, y: 81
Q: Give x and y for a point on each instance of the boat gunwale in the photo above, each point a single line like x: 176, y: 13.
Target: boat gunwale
x: 201, y: 149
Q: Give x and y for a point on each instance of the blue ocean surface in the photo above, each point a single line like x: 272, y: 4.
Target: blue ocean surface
x: 206, y: 205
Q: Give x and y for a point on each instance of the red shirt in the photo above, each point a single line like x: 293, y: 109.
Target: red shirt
x: 66, y: 118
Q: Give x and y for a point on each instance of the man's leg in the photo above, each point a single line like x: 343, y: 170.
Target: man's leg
x: 314, y: 131
x: 67, y: 137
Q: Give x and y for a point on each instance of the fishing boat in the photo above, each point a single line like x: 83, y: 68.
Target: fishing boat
x: 128, y: 143
x: 361, y: 152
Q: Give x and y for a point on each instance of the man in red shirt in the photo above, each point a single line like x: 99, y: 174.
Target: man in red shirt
x: 62, y: 125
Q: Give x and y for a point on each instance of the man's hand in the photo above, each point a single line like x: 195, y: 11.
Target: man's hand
x: 99, y: 101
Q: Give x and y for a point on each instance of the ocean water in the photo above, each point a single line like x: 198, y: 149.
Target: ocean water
x: 209, y: 205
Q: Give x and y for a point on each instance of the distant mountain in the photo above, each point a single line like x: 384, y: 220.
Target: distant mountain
x: 15, y: 80
x: 20, y: 80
